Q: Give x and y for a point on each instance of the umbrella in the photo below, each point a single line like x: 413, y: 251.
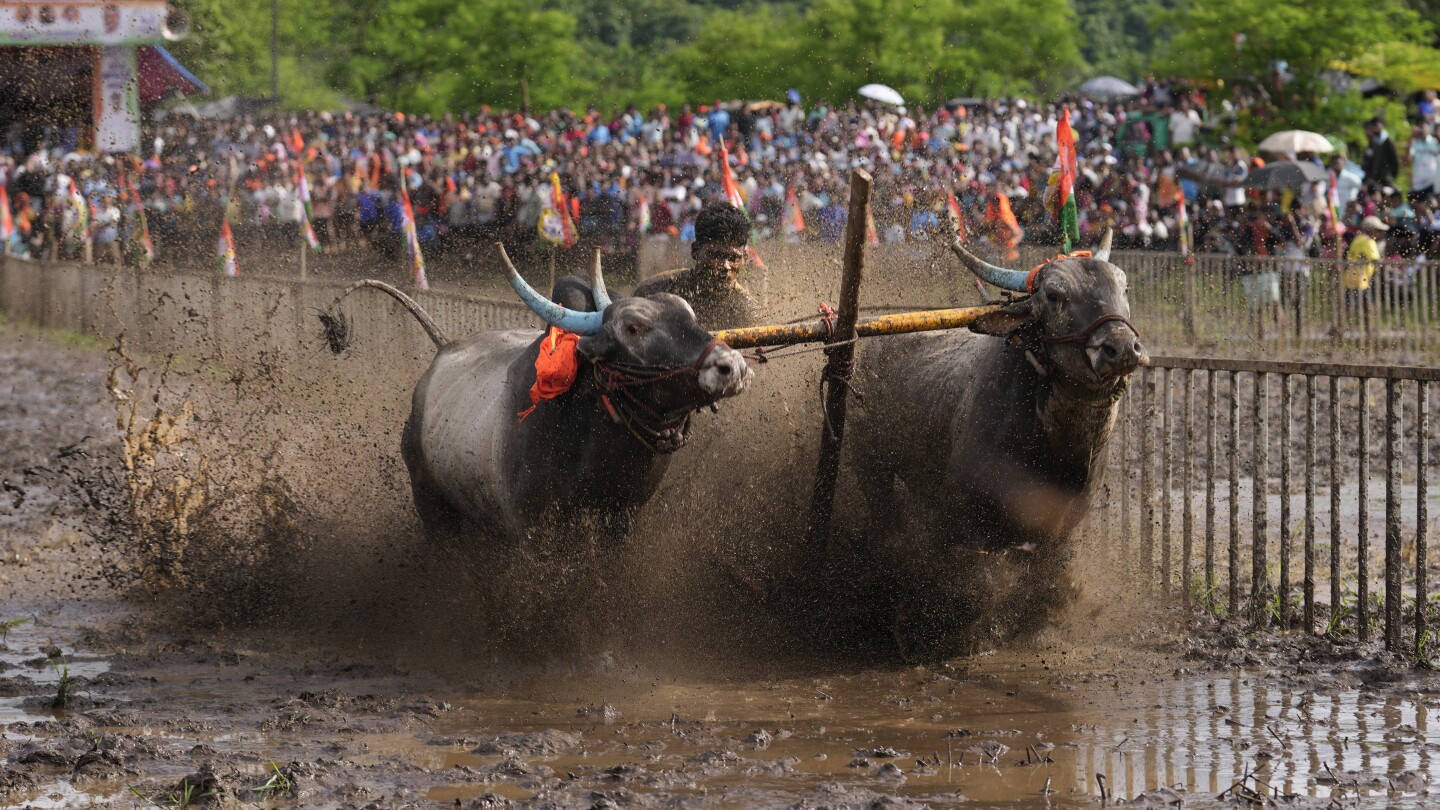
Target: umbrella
x: 1284, y: 174
x: 1295, y: 141
x: 883, y: 94
x: 1108, y: 88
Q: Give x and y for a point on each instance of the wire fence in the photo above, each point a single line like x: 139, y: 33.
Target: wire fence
x: 1201, y: 304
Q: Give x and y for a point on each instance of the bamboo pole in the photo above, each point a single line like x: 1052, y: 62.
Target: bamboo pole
x: 840, y: 365
x: 814, y: 331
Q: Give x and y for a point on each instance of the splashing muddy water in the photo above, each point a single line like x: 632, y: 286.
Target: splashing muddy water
x: 313, y: 656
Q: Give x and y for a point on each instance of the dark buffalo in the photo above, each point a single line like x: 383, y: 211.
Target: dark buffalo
x: 977, y: 452
x: 583, y: 462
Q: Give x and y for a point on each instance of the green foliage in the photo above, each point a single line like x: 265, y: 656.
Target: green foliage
x: 1311, y: 39
x: 10, y: 624
x: 441, y: 55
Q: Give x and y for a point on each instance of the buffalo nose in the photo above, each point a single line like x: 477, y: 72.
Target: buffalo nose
x: 725, y: 373
x: 1119, y: 356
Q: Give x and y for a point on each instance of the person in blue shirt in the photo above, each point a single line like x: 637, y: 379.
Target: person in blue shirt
x: 719, y: 121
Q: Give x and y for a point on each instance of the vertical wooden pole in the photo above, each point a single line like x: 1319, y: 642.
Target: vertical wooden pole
x: 303, y: 247
x: 1187, y: 270
x: 839, y: 366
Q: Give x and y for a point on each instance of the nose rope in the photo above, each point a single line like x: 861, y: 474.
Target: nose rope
x: 658, y: 432
x: 1084, y: 334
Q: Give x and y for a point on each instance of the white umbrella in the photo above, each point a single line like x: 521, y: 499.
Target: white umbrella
x: 883, y: 94
x: 1295, y: 141
x: 1107, y: 88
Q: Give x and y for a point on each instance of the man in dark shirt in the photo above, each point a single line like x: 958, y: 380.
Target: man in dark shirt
x: 711, y: 286
x: 1381, y: 161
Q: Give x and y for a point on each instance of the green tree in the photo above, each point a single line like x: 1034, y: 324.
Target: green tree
x: 1307, y: 42
x: 440, y: 55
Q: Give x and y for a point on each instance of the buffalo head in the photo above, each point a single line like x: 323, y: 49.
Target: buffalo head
x: 651, y: 352
x: 1076, y: 318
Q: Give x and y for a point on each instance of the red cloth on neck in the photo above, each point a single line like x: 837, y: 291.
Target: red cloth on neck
x: 556, y: 367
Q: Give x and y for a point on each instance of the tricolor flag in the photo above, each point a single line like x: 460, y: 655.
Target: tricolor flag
x: 1182, y: 222
x: 794, y: 218
x: 1060, y: 190
x: 412, y: 239
x: 732, y: 196
x: 225, y: 249
x: 957, y: 217
x: 1332, y: 196
x: 302, y: 188
x: 7, y: 222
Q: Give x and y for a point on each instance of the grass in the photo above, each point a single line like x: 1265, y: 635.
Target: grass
x: 65, y: 689
x: 10, y: 624
x: 278, y: 782
x: 67, y: 338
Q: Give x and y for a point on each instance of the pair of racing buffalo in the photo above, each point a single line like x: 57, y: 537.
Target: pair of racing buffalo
x: 979, y: 443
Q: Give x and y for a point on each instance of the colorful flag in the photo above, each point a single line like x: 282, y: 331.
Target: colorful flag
x: 146, y: 243
x: 733, y: 196
x: 412, y: 238
x: 1060, y: 190
x: 642, y: 215
x: 7, y: 222
x: 958, y: 217
x: 225, y: 249
x: 1003, y: 225
x: 1332, y: 196
x: 872, y: 236
x: 794, y: 217
x: 1182, y: 222
x: 302, y: 189
x: 82, y: 212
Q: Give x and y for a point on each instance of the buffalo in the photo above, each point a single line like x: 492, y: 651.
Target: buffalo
x: 583, y: 462
x: 978, y: 451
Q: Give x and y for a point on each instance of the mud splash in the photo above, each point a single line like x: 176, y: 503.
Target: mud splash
x: 1041, y: 728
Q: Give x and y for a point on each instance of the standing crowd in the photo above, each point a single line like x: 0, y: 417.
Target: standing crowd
x: 630, y: 176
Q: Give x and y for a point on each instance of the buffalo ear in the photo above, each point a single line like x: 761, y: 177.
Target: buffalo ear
x: 1004, y: 320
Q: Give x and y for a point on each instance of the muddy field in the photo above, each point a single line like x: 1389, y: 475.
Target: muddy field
x: 269, y: 631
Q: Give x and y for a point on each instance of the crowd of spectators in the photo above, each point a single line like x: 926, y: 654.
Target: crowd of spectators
x: 634, y: 176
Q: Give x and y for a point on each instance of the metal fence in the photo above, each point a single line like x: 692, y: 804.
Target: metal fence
x: 1253, y: 488
x: 1201, y: 304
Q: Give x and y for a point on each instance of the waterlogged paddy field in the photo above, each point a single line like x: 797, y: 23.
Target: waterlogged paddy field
x: 107, y: 699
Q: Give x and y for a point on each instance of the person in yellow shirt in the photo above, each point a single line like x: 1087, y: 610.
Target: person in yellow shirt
x: 1362, y: 260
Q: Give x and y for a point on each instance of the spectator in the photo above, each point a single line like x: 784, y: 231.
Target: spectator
x: 1381, y: 162
x: 1362, y: 260
x: 1423, y: 152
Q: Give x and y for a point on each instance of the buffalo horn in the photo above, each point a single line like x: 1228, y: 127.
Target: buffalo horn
x: 581, y: 323
x: 598, y: 292
x: 1103, y: 252
x: 1012, y: 280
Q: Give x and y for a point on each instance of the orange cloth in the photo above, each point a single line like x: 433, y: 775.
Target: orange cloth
x: 556, y: 367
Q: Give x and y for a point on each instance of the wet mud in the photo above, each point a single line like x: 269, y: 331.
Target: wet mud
x: 216, y: 593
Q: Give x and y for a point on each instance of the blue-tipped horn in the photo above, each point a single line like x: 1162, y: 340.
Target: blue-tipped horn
x: 1012, y: 280
x: 581, y: 323
x: 1103, y: 252
x: 598, y: 292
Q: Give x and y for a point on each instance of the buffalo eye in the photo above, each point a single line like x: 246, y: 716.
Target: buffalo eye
x: 634, y: 329
x: 1054, y: 297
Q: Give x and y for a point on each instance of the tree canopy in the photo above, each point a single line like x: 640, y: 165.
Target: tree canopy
x: 451, y: 55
